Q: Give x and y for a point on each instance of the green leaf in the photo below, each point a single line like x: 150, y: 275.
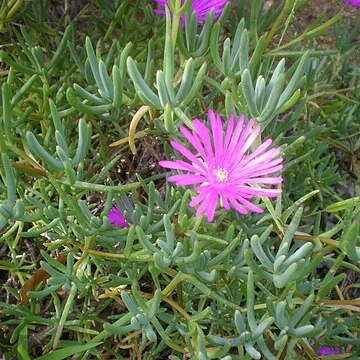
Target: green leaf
x: 144, y: 91
x: 249, y: 92
x: 296, y: 204
x: 350, y: 240
x: 69, y: 351
x: 271, y: 210
x: 22, y: 347
x: 83, y: 107
x: 285, y: 278
x: 342, y: 205
x: 186, y: 80
x: 59, y: 53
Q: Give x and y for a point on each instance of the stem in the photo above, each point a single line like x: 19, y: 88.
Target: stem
x: 175, y: 28
x: 323, y: 239
x: 64, y: 315
x: 13, y: 10
x: 134, y: 122
x: 103, y: 188
x: 287, y: 10
x: 88, y: 242
x: 179, y: 278
x: 137, y: 256
x: 206, y: 291
x: 127, y: 317
x: 138, y: 135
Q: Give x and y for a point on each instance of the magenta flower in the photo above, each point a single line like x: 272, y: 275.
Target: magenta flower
x: 222, y: 166
x: 328, y: 350
x: 354, y: 3
x: 201, y: 7
x: 116, y: 217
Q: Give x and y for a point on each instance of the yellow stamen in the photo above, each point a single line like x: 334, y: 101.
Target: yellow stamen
x: 221, y: 174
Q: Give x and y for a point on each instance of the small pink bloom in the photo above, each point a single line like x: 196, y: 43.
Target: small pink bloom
x: 328, y: 350
x: 116, y: 217
x: 354, y: 3
x: 222, y: 166
x: 201, y: 7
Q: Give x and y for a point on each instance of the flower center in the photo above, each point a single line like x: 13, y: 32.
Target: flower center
x: 221, y: 174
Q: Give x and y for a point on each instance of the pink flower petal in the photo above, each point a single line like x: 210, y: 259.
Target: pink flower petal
x: 202, y: 208
x: 204, y: 136
x: 257, y: 151
x: 217, y: 132
x: 178, y: 165
x: 224, y: 168
x: 238, y: 207
x: 116, y: 217
x: 229, y: 132
x: 198, y: 199
x: 194, y: 141
x: 259, y: 192
x: 250, y: 205
x: 262, y: 180
x: 210, y: 211
x: 224, y: 202
x: 185, y: 179
x: 189, y: 155
x: 201, y: 7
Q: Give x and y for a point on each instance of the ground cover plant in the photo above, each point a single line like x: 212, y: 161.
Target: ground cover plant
x: 179, y: 180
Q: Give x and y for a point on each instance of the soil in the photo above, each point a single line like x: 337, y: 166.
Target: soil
x: 314, y: 9
x: 311, y: 11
